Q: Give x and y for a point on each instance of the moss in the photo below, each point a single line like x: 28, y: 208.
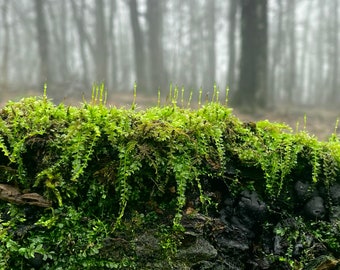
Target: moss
x: 103, y: 166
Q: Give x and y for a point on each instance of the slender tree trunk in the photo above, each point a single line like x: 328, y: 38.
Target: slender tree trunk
x: 252, y: 90
x: 83, y: 38
x: 138, y: 47
x: 101, y: 43
x: 64, y: 48
x: 291, y: 78
x: 125, y: 65
x: 274, y: 78
x: 5, y: 56
x: 179, y: 70
x: 303, y: 82
x: 58, y: 36
x: 318, y: 83
x: 335, y: 55
x: 193, y: 44
x: 158, y: 74
x: 112, y: 43
x: 43, y: 41
x: 210, y: 77
x: 231, y: 82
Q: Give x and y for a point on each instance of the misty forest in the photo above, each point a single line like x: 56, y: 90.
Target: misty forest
x: 133, y: 134
x: 267, y: 53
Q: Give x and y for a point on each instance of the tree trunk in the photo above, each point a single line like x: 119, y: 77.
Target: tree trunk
x: 319, y: 81
x: 275, y: 80
x: 303, y: 83
x: 158, y: 74
x: 78, y: 14
x: 210, y: 76
x: 42, y: 41
x: 138, y: 47
x: 252, y: 90
x: 335, y: 53
x: 180, y: 70
x: 290, y: 82
x: 101, y: 43
x: 64, y: 48
x: 112, y: 43
x: 233, y: 4
x: 126, y: 61
x: 58, y: 37
x: 5, y: 56
x: 193, y: 40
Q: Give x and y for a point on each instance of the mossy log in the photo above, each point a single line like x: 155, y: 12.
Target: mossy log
x: 78, y: 180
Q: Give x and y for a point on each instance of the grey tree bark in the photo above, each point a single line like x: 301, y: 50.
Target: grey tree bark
x: 139, y: 50
x: 112, y: 44
x: 252, y: 90
x: 43, y: 41
x: 304, y: 82
x: 193, y: 40
x: 274, y: 73
x: 101, y: 52
x: 335, y: 53
x: 233, y: 8
x: 158, y: 74
x: 291, y: 74
x: 5, y: 55
x: 58, y: 37
x: 83, y: 38
x: 210, y: 77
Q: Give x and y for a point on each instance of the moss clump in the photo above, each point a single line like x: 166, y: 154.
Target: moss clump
x: 106, y: 168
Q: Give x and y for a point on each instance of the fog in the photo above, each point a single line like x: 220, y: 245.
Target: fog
x: 71, y: 44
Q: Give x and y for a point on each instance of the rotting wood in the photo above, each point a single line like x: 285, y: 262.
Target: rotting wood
x: 14, y: 195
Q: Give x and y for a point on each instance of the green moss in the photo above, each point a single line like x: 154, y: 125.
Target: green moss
x: 99, y: 165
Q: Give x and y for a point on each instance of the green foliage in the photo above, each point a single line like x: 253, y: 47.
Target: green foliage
x: 327, y: 233
x: 296, y: 232
x: 99, y: 164
x: 279, y: 154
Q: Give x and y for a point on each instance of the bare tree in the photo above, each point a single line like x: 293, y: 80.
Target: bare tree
x: 83, y: 38
x: 43, y: 41
x: 64, y: 46
x: 139, y: 50
x: 210, y: 77
x: 274, y: 73
x: 304, y: 82
x: 101, y: 43
x: 252, y: 91
x: 182, y: 66
x: 58, y: 37
x: 193, y: 40
x: 233, y: 7
x: 158, y: 74
x: 291, y: 74
x: 335, y: 52
x: 112, y: 43
x: 5, y: 56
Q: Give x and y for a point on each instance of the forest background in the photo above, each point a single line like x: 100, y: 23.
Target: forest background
x: 278, y: 55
